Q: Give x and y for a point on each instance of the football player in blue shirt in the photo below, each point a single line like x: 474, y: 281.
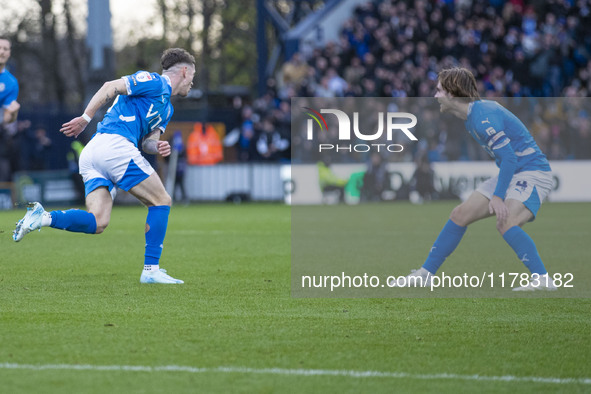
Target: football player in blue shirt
x: 138, y: 116
x: 8, y: 85
x: 514, y: 196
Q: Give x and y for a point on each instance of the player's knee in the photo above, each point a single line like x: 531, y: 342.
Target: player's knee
x: 102, y: 222
x: 502, y: 228
x: 165, y: 199
x: 101, y: 226
x: 158, y: 200
x: 458, y: 216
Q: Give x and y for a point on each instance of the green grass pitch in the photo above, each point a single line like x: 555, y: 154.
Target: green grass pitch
x: 75, y: 300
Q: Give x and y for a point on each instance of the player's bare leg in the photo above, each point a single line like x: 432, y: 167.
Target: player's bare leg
x: 519, y: 215
x: 100, y: 203
x: 473, y: 209
x: 151, y: 192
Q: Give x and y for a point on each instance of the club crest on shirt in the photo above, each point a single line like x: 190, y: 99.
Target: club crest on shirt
x: 143, y: 76
x: 2, y: 86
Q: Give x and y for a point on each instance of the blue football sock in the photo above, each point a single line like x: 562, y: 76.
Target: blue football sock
x: 74, y: 220
x: 444, y: 245
x: 156, y: 224
x: 525, y: 248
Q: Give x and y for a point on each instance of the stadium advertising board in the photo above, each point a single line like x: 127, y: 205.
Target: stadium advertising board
x: 5, y: 196
x: 51, y: 187
x: 451, y: 180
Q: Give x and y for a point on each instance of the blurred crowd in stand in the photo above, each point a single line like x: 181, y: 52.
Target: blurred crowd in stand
x: 516, y: 49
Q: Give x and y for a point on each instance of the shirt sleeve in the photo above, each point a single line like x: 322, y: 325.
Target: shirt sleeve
x: 508, y: 165
x: 490, y: 128
x: 142, y: 83
x: 12, y: 94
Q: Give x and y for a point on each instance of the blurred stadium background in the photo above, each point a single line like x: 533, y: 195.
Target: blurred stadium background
x: 233, y: 132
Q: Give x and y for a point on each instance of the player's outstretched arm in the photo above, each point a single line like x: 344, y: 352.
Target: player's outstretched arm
x: 104, y: 95
x: 152, y: 144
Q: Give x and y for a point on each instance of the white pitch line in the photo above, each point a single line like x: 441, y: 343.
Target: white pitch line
x: 298, y: 372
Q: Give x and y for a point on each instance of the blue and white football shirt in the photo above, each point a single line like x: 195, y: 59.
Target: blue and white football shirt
x: 145, y: 108
x: 8, y: 88
x: 494, y: 127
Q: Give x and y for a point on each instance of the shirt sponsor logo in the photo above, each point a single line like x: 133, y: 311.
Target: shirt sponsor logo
x: 490, y: 131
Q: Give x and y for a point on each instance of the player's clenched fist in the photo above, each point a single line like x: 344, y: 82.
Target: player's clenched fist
x: 163, y: 148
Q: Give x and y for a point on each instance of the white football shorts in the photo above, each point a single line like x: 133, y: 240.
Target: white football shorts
x: 529, y: 187
x: 112, y: 160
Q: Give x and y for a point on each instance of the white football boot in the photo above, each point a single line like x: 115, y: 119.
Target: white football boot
x: 543, y: 282
x: 158, y: 276
x: 416, y: 278
x: 31, y: 221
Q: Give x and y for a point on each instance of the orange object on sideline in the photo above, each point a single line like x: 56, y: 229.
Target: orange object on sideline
x: 204, y: 148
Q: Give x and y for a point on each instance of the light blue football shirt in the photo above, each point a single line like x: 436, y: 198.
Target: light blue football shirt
x: 493, y: 127
x: 145, y: 108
